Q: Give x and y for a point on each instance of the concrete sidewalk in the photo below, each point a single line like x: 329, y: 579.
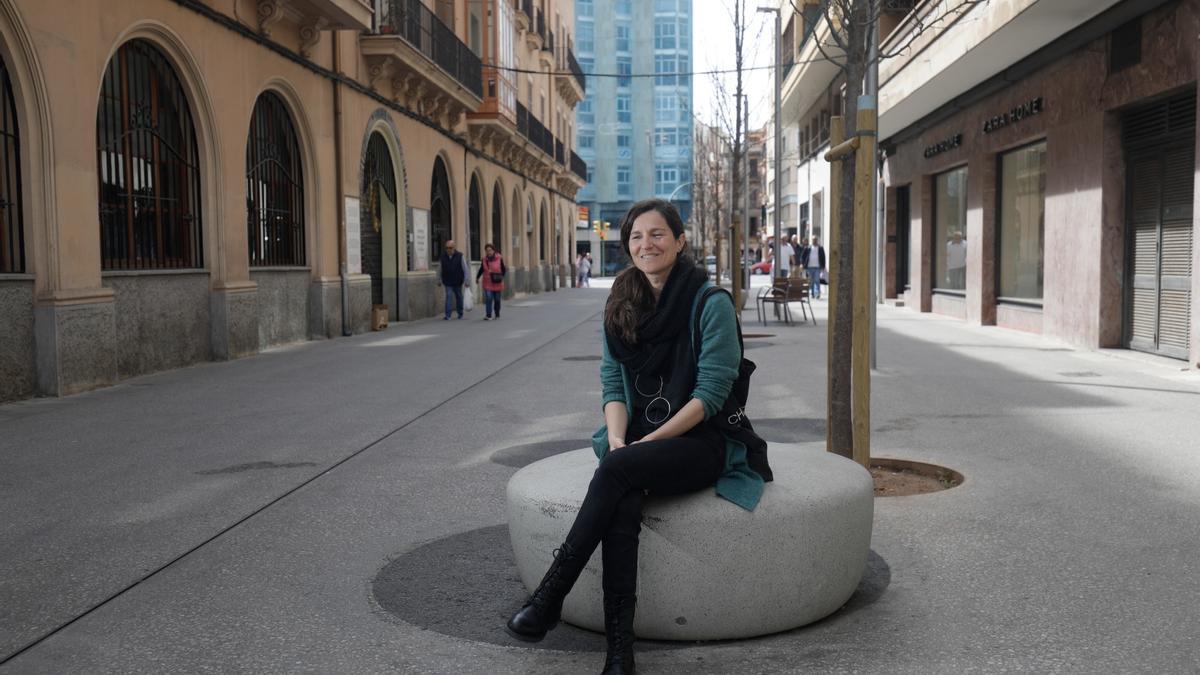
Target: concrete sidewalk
x: 339, y: 506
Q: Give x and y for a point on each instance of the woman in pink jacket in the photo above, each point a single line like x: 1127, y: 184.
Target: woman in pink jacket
x: 492, y: 271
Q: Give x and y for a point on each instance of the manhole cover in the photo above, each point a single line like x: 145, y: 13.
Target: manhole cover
x: 585, y: 357
x: 466, y: 586
x: 789, y: 430
x: 902, y: 477
x: 518, y: 456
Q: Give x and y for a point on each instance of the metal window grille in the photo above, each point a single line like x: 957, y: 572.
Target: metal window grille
x: 544, y: 235
x: 150, y: 214
x: 274, y: 186
x: 439, y: 210
x: 12, y: 233
x: 497, y: 214
x: 474, y: 226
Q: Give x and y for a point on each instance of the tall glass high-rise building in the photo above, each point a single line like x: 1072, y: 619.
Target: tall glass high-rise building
x: 634, y: 129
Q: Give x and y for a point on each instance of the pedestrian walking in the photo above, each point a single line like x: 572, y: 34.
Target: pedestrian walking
x: 454, y: 275
x: 492, y: 271
x: 786, y: 255
x: 585, y: 269
x: 661, y: 435
x: 813, y: 260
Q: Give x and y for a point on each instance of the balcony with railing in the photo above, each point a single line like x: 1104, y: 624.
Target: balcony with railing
x: 569, y: 78
x: 546, y: 54
x: 535, y: 32
x: 422, y: 59
x: 523, y: 15
x: 315, y: 16
x: 579, y: 167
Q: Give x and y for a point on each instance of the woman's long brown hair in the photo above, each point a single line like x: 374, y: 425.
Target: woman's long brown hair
x: 631, y: 296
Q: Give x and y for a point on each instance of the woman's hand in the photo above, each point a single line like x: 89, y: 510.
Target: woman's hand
x: 617, y: 419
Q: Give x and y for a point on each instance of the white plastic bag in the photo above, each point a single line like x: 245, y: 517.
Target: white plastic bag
x: 468, y: 298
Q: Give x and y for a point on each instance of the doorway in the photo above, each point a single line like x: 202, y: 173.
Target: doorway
x: 903, y: 240
x: 1159, y: 143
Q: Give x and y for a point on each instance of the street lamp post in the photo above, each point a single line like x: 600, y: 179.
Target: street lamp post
x: 776, y: 268
x: 745, y: 247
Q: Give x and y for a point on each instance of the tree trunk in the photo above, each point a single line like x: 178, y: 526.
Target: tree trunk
x: 841, y: 422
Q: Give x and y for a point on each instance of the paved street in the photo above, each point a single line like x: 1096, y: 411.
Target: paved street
x: 338, y: 506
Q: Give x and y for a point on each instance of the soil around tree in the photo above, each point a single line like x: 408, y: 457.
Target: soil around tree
x: 903, y: 478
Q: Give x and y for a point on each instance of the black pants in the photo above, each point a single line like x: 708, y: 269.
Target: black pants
x: 612, y: 510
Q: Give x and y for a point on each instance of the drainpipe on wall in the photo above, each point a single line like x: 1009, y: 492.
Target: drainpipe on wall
x: 343, y: 271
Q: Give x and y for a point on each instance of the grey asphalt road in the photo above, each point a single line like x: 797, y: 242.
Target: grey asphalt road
x: 339, y: 506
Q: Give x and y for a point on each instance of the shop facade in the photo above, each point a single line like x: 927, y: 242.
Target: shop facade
x: 1057, y: 196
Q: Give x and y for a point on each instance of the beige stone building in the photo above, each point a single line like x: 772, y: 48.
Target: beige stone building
x: 185, y: 180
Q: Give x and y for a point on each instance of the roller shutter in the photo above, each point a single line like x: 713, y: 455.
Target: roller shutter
x: 1160, y: 162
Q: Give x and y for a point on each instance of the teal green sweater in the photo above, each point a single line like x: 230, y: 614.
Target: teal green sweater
x: 720, y: 356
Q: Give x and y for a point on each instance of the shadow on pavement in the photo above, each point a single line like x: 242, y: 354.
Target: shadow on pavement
x: 466, y: 586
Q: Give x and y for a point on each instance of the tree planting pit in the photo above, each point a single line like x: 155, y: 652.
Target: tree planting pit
x: 904, y: 478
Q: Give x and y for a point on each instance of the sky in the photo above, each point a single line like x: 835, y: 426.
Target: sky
x: 713, y: 49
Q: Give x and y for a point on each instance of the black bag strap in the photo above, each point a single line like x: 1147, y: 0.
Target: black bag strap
x: 696, y: 333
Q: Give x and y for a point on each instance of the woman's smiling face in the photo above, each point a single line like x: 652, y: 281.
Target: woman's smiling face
x: 652, y: 245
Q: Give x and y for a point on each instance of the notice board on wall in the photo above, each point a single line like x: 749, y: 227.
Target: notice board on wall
x: 420, y: 225
x: 353, y: 236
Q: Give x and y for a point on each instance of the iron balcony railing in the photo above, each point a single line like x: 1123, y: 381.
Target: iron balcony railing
x: 537, y: 133
x: 421, y: 28
x: 578, y: 166
x: 575, y: 69
x: 522, y: 120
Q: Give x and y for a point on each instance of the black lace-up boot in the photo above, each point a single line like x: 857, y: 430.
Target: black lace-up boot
x: 540, y: 613
x: 618, y: 632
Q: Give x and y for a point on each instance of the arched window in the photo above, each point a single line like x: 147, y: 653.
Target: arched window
x: 529, y: 234
x: 12, y: 233
x: 497, y: 214
x: 474, y: 213
x: 542, y: 235
x: 440, y: 212
x: 149, y: 168
x: 274, y: 186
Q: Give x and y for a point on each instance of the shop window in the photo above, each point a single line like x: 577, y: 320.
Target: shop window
x: 12, y: 233
x: 950, y: 230
x: 274, y: 186
x: 1022, y: 222
x: 148, y: 165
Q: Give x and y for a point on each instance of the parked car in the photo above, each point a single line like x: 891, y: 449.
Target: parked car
x: 763, y: 267
x: 710, y: 262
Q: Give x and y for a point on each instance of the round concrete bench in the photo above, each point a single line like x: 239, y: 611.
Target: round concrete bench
x: 708, y: 569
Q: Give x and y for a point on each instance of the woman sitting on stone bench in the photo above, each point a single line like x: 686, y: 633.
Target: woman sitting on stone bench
x: 660, y: 435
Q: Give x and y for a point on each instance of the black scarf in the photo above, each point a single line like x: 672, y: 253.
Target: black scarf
x: 658, y: 330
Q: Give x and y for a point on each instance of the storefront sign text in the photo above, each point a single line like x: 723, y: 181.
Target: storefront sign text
x: 1026, y: 109
x: 943, y: 146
